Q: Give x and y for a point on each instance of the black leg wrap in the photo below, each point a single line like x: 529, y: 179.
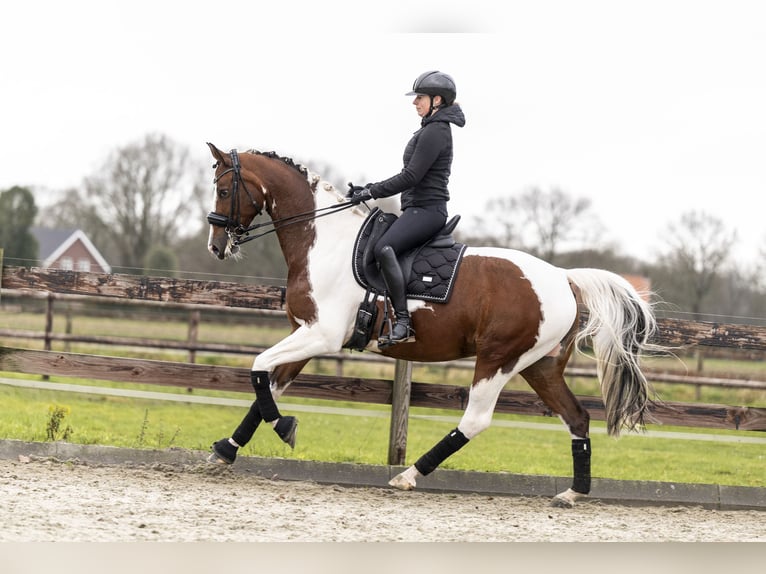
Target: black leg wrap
x: 447, y: 446
x: 581, y: 459
x: 224, y: 451
x: 266, y: 404
x: 247, y: 427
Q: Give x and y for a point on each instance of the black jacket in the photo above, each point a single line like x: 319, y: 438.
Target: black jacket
x: 427, y: 163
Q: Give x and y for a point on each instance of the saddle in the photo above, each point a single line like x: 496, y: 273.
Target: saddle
x: 429, y: 270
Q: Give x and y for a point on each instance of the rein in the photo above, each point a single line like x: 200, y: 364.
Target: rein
x: 232, y: 224
x: 285, y: 221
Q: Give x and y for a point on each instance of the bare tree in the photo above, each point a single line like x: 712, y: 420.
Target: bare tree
x: 74, y: 211
x: 491, y: 230
x: 699, y: 246
x: 144, y: 193
x: 552, y: 218
x: 541, y: 222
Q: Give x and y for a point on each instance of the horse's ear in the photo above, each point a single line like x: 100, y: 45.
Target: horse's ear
x: 217, y: 154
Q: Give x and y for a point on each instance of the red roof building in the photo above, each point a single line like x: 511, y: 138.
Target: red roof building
x: 70, y: 250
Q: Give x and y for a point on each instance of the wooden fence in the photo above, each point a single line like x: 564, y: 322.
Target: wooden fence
x: 401, y: 393
x: 192, y: 345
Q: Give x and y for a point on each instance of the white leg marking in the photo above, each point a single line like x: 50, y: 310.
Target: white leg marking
x: 304, y: 343
x: 570, y: 430
x: 481, y: 403
x: 405, y: 480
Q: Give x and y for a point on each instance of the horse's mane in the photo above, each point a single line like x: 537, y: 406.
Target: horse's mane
x: 312, y: 178
x: 303, y: 170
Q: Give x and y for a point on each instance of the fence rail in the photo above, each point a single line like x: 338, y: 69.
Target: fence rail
x: 673, y: 332
x: 377, y: 391
x: 401, y: 393
x: 193, y: 347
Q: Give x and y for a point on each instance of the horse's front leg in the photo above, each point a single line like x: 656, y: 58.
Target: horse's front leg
x: 272, y: 372
x: 225, y: 450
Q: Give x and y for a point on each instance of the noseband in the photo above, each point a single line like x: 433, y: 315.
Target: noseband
x: 232, y: 222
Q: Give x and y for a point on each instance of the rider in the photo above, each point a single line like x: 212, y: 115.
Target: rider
x: 423, y: 185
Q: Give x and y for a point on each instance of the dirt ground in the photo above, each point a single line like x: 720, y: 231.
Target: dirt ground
x: 49, y: 501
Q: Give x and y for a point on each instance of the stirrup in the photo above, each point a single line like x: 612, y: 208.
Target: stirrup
x: 407, y: 336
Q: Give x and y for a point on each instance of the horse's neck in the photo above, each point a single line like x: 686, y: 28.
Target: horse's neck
x: 326, y: 237
x: 295, y: 237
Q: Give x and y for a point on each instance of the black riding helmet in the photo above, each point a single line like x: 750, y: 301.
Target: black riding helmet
x: 435, y: 83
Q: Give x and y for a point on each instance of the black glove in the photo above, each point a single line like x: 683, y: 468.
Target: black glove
x: 357, y: 194
x: 353, y: 188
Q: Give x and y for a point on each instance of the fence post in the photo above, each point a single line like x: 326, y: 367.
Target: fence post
x: 68, y: 328
x: 48, y: 326
x: 400, y: 411
x: 48, y: 322
x: 194, y: 317
x: 699, y: 356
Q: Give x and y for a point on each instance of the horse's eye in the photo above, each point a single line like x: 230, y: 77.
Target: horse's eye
x: 223, y: 193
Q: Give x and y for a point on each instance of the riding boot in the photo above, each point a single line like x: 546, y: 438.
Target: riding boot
x: 401, y: 331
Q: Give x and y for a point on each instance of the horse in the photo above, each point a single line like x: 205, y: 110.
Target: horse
x: 513, y: 312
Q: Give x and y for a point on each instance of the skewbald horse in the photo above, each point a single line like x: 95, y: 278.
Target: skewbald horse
x: 514, y: 313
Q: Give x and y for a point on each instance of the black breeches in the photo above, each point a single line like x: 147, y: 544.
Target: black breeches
x: 414, y: 227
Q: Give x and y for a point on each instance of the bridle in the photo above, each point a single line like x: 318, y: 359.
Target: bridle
x: 238, y: 233
x: 232, y: 223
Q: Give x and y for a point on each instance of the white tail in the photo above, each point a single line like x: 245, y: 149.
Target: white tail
x: 619, y: 326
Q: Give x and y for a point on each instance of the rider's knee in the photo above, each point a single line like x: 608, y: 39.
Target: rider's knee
x: 384, y: 252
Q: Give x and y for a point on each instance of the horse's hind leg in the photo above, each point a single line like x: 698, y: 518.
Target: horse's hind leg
x: 476, y: 418
x: 546, y: 377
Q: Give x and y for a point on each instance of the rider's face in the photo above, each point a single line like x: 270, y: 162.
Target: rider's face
x: 423, y: 104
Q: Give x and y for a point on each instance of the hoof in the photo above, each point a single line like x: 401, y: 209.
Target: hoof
x: 567, y: 499
x: 223, y: 452
x: 401, y: 482
x: 286, y: 428
x: 561, y: 503
x: 215, y: 459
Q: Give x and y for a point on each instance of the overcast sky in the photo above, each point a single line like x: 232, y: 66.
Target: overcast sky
x: 648, y: 108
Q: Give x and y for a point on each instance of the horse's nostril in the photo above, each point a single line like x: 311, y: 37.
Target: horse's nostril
x: 215, y: 251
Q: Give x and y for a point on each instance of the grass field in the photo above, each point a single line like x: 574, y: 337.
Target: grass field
x: 39, y: 415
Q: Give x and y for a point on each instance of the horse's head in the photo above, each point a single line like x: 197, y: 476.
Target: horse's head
x: 238, y: 200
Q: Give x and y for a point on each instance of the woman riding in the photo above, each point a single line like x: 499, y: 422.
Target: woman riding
x: 423, y: 184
